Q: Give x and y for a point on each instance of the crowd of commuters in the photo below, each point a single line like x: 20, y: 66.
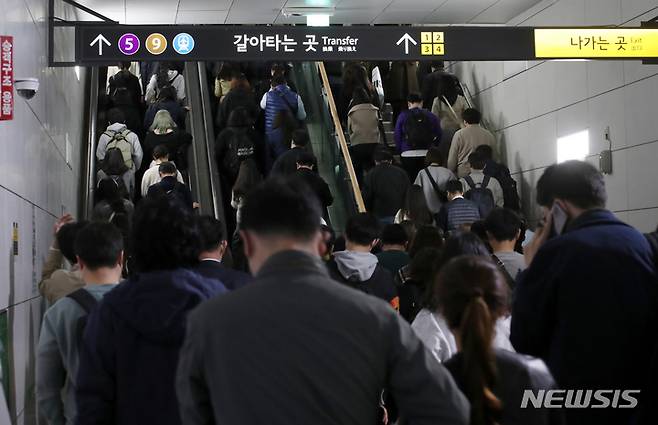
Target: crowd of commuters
x: 431, y: 308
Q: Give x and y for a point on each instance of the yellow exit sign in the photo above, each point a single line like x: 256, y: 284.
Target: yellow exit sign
x: 596, y: 43
x: 432, y: 43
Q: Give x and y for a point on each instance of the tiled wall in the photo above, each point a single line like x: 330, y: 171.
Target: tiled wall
x: 531, y: 104
x: 37, y: 183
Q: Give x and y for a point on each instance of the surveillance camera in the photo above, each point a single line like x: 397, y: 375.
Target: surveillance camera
x: 27, y: 87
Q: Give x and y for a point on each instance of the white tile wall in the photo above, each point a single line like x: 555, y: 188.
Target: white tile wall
x: 553, y: 99
x: 36, y: 183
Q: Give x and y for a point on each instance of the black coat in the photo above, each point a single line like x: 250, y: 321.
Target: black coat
x: 176, y: 143
x: 587, y: 306
x: 231, y: 279
x: 286, y: 164
x: 295, y: 347
x: 226, y: 151
x: 234, y: 99
x: 169, y: 186
x: 318, y: 186
x: 384, y: 190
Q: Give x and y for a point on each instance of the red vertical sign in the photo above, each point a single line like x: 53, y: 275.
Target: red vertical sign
x: 6, y: 77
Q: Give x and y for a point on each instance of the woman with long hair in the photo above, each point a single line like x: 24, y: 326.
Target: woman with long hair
x: 164, y: 131
x: 472, y: 295
x: 248, y: 178
x: 240, y: 95
x: 415, y: 208
x: 363, y: 129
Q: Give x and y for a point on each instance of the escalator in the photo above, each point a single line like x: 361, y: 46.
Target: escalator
x: 328, y: 142
x: 202, y: 176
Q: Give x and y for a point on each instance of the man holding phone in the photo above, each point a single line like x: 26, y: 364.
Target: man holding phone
x: 587, y: 303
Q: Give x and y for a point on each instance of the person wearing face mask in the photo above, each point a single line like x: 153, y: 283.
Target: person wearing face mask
x: 587, y: 302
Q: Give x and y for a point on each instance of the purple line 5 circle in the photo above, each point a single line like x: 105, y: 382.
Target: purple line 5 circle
x: 129, y: 44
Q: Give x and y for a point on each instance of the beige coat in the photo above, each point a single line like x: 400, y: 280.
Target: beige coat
x: 446, y: 115
x: 55, y: 281
x: 362, y: 124
x: 464, y: 143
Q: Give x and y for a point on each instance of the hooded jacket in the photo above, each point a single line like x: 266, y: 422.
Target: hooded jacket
x: 130, y: 349
x: 361, y: 270
x: 136, y: 149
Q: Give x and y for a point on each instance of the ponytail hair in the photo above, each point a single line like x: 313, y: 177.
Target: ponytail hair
x: 473, y: 295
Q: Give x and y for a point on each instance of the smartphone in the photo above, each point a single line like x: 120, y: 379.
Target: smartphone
x: 560, y: 218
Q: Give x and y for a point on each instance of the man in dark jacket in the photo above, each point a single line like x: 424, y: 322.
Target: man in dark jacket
x: 439, y: 83
x: 587, y: 302
x: 294, y: 346
x: 385, y: 187
x: 306, y: 173
x: 131, y: 341
x: 170, y: 187
x: 357, y: 267
x: 286, y: 164
x: 213, y: 248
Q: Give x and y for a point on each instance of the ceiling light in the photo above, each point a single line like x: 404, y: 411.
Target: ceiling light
x: 317, y: 20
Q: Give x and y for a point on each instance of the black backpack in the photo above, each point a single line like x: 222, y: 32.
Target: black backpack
x: 508, y: 184
x: 87, y: 302
x: 241, y: 147
x: 418, y: 130
x: 480, y: 195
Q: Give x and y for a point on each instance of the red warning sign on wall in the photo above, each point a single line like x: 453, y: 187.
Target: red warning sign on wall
x: 6, y: 77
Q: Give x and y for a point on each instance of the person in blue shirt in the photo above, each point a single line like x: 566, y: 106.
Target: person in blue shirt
x: 99, y: 250
x: 283, y: 109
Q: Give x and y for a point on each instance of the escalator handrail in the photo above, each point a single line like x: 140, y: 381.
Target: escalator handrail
x: 341, y: 139
x: 89, y: 171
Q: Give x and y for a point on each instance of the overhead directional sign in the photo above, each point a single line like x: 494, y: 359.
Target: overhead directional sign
x: 111, y: 43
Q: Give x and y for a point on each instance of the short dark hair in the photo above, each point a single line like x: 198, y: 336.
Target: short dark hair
x: 306, y: 158
x: 66, y: 239
x: 394, y: 234
x: 503, y: 224
x: 362, y: 228
x: 282, y: 208
x: 165, y: 235
x: 167, y: 168
x: 437, y: 64
x: 578, y: 182
x: 477, y: 161
x: 116, y: 115
x: 382, y: 155
x: 434, y: 156
x: 300, y: 138
x: 454, y: 186
x: 167, y: 93
x: 485, y: 150
x: 278, y: 79
x: 124, y: 64
x: 414, y: 97
x: 240, y: 117
x: 99, y: 245
x: 212, y: 233
x: 160, y: 151
x: 472, y: 116
x: 463, y: 243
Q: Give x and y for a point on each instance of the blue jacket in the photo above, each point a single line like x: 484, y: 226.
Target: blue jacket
x: 130, y: 349
x: 275, y: 102
x: 587, y: 306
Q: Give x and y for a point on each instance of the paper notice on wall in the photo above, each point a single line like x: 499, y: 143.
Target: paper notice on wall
x: 6, y: 77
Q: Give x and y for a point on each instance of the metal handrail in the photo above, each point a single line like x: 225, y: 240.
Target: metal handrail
x: 341, y: 139
x: 89, y: 172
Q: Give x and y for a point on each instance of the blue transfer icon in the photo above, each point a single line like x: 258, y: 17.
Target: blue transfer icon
x: 183, y: 43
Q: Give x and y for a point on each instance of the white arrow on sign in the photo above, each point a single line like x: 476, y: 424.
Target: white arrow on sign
x: 100, y: 40
x: 406, y: 38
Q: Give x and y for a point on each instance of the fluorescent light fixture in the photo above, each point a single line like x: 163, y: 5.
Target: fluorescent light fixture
x: 573, y: 146
x: 77, y: 72
x: 319, y: 20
